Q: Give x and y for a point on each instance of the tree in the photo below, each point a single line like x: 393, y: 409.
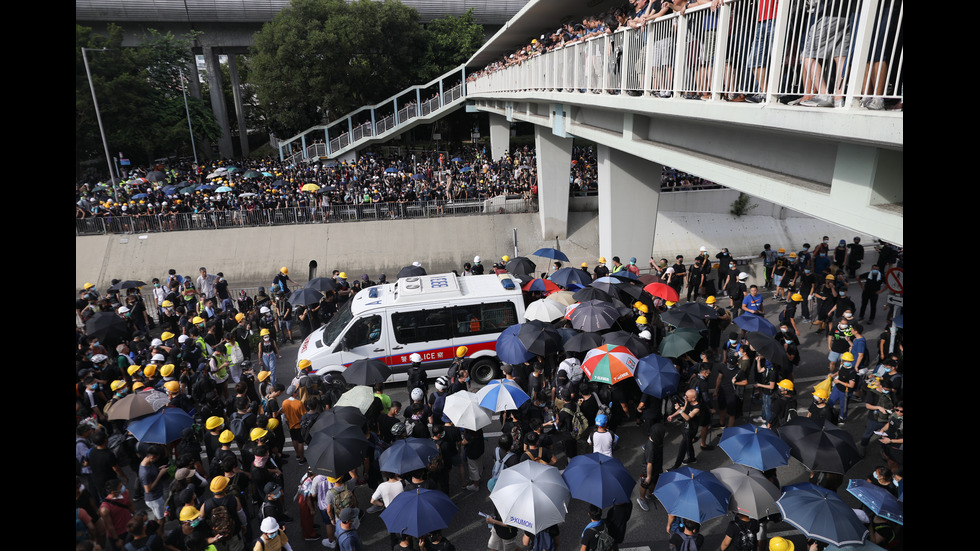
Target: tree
x: 319, y: 59
x: 140, y: 97
x: 450, y: 42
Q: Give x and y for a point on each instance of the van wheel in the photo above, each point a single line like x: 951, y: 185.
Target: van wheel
x: 483, y: 370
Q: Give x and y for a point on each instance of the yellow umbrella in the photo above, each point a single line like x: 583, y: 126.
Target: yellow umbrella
x: 310, y: 187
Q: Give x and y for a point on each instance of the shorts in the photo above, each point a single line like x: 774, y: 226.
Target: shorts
x: 762, y: 45
x: 499, y: 544
x: 828, y: 37
x: 833, y: 356
x: 663, y: 53
x: 727, y: 401
x: 708, y: 48
x: 777, y: 279
x: 473, y: 469
x: 297, y: 436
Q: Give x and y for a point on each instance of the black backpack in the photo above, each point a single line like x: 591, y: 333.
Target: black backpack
x: 746, y: 539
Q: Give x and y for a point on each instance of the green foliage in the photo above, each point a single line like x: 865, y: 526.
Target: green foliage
x: 450, y: 42
x: 741, y: 206
x: 139, y: 94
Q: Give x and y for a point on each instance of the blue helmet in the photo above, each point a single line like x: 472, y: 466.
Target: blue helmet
x: 601, y: 420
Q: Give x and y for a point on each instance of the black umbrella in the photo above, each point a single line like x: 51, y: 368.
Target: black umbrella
x: 156, y: 176
x: 583, y: 342
x: 539, y: 338
x: 594, y: 315
x: 128, y: 284
x: 343, y: 415
x: 367, y: 371
x: 631, y: 341
x: 825, y: 447
x: 768, y: 347
x: 591, y: 293
x: 336, y: 449
x: 305, y: 296
x: 411, y: 271
x: 696, y: 308
x: 679, y: 318
x: 108, y: 328
x: 520, y: 265
x: 322, y: 284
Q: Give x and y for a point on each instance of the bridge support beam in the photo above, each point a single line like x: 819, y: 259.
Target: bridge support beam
x: 218, y: 102
x: 866, y: 177
x: 629, y: 196
x: 236, y: 92
x: 499, y: 136
x: 554, y: 158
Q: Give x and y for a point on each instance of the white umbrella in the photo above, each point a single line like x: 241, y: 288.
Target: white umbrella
x: 544, y: 310
x: 463, y: 409
x: 564, y: 298
x: 531, y: 496
x: 360, y: 397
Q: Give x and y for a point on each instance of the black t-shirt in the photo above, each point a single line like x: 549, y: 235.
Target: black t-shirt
x: 845, y: 375
x: 101, y: 462
x: 742, y: 533
x: 821, y: 414
x: 872, y: 284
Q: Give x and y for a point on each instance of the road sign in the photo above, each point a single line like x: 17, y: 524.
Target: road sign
x: 895, y: 299
x: 893, y: 280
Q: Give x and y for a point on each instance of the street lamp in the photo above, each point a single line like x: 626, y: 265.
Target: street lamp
x: 98, y: 116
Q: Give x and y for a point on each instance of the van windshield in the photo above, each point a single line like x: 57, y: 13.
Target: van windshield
x: 336, y: 324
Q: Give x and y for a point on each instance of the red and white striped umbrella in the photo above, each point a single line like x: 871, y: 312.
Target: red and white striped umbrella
x: 609, y: 363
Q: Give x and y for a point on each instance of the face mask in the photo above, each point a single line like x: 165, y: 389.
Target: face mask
x: 156, y: 284
x: 826, y: 241
x: 195, y: 522
x: 874, y: 272
x: 841, y: 326
x: 731, y: 343
x: 847, y: 364
x: 788, y: 341
x: 806, y: 271
x: 272, y: 535
x: 784, y: 329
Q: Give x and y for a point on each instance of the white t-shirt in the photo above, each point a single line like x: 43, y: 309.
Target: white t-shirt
x: 572, y: 368
x: 602, y: 442
x: 387, y: 491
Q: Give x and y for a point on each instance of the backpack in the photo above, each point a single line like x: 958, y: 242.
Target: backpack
x: 306, y: 423
x: 498, y: 466
x: 604, y: 541
x: 543, y: 542
x: 342, y: 499
x: 147, y: 545
x: 415, y: 379
x: 746, y: 539
x: 580, y: 424
x: 220, y: 521
x: 237, y: 425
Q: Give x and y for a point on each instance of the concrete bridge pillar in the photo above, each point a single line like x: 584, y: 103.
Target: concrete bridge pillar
x: 499, y: 136
x: 236, y: 92
x: 218, y: 101
x: 629, y: 195
x: 554, y: 158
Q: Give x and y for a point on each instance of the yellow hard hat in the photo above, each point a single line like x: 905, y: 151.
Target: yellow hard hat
x: 343, y: 275
x: 214, y: 422
x: 189, y: 512
x: 821, y: 393
x: 505, y: 258
x: 847, y: 357
x: 150, y: 370
x: 219, y: 483
x: 263, y: 375
x: 304, y: 363
x: 710, y: 300
x: 263, y: 332
x: 167, y: 304
x: 172, y: 387
x: 785, y: 384
x: 643, y: 308
x: 132, y: 369
x: 781, y: 250
x: 792, y: 255
x: 226, y: 437
x: 284, y: 270
x: 273, y: 424
x: 239, y: 317
x: 166, y: 336
x: 256, y: 433
x: 167, y: 370
x: 116, y: 385
x: 670, y: 303
x: 197, y: 320
x: 780, y: 544
x: 137, y: 385
x: 642, y: 320
x: 830, y: 277
x: 602, y: 260
x: 88, y: 286
x: 585, y: 264
x: 461, y: 351
x: 796, y: 297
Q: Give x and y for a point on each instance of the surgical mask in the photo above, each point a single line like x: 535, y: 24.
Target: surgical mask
x: 272, y: 535
x: 731, y: 342
x: 784, y: 329
x: 195, y: 522
x: 842, y: 326
x: 874, y: 272
x: 789, y: 341
x: 806, y: 271
x: 847, y: 364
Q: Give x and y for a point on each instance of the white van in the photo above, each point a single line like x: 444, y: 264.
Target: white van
x: 430, y: 315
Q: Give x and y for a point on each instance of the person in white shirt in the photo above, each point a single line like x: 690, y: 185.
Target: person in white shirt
x: 602, y: 440
x: 387, y: 491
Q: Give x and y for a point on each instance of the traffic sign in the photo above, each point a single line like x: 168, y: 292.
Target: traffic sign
x: 895, y: 299
x: 893, y: 280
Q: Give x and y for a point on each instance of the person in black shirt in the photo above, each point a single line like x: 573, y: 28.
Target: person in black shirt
x: 871, y: 286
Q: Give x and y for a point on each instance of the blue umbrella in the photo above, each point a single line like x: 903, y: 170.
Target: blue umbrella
x: 598, y: 479
x: 510, y: 349
x: 553, y: 254
x: 821, y: 514
x: 502, y: 395
x: 223, y: 189
x: 163, y: 427
x: 139, y: 196
x: 880, y: 500
x: 753, y: 322
x: 410, y: 454
x: 756, y: 447
x: 419, y: 512
x: 657, y: 376
x: 389, y: 170
x: 204, y: 187
x: 625, y: 274
x: 568, y: 276
x: 690, y: 493
x: 169, y: 190
x: 456, y: 160
x: 466, y: 169
x: 267, y: 174
x: 418, y: 176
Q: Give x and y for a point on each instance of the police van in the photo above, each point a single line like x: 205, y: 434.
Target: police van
x: 430, y: 315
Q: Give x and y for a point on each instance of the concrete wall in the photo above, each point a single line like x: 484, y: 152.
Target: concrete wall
x: 251, y: 256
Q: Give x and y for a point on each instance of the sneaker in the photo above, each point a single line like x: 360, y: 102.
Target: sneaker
x: 472, y: 487
x: 644, y: 506
x: 758, y: 419
x: 839, y: 102
x: 690, y: 461
x: 841, y: 424
x: 328, y: 544
x: 874, y: 104
x: 818, y: 101
x: 737, y: 98
x: 756, y: 98
x: 314, y: 537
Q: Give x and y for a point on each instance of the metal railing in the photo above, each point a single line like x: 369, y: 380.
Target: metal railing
x: 841, y: 51
x: 153, y: 223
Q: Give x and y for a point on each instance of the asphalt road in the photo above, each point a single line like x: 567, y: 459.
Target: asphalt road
x: 646, y: 530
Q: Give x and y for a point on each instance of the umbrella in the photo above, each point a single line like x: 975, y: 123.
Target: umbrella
x: 626, y: 275
x: 594, y: 315
x: 137, y: 404
x: 756, y: 447
x: 367, y: 371
x: 322, y: 284
x: 391, y: 170
x: 756, y: 323
x: 609, y: 364
x: 544, y: 310
x: 539, y: 284
x: 752, y: 493
x: 223, y: 189
x: 456, y: 160
x: 232, y: 169
x: 866, y: 546
x: 662, y: 290
x: 310, y: 187
x: 768, y: 347
x: 564, y: 298
x: 680, y: 341
x: 128, y: 284
x: 187, y: 190
x: 336, y: 449
x: 344, y: 415
x: 679, y: 318
x: 510, y: 349
x: 204, y: 187
x: 279, y: 183
x: 657, y: 376
x: 567, y: 276
x: 591, y: 293
x: 360, y: 397
x: 268, y: 174
x: 878, y: 499
x: 305, y: 296
x: 821, y: 514
x: 169, y: 190
x: 520, y: 265
x: 702, y: 311
x: 466, y: 169
x: 583, y: 342
x: 598, y: 479
x: 502, y: 395
x: 539, y: 338
x: 419, y: 512
x: 690, y: 493
x: 252, y: 174
x: 631, y: 341
x: 823, y: 447
x: 418, y: 176
x: 107, y: 327
x: 163, y: 427
x: 139, y: 196
x: 464, y: 410
x: 531, y: 496
x: 411, y: 271
x: 553, y: 254
x: 216, y: 174
x: 156, y: 176
x: 407, y: 455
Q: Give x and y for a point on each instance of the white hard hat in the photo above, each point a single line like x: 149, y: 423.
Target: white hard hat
x: 645, y: 334
x: 415, y: 358
x: 743, y: 276
x: 704, y: 249
x: 264, y: 310
x: 156, y: 342
x: 417, y: 394
x: 476, y: 259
